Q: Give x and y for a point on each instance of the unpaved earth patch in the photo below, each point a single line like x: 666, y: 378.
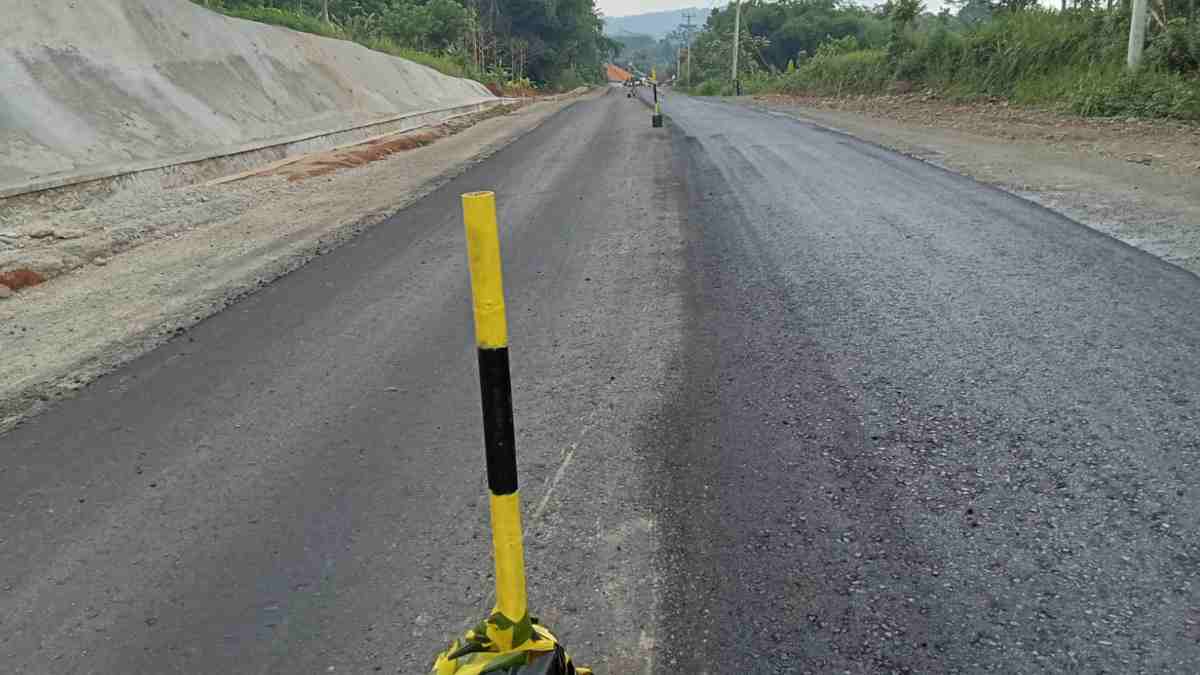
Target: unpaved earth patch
x: 188, y: 253
x: 1135, y: 180
x: 45, y: 235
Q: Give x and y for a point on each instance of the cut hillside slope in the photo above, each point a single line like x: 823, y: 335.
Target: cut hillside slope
x: 96, y: 84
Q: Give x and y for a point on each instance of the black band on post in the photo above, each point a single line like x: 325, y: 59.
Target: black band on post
x: 498, y: 436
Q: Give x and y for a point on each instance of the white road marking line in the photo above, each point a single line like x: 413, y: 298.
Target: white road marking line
x: 646, y: 646
x: 568, y: 455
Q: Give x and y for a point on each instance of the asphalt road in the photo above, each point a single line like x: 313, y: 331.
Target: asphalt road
x: 786, y: 402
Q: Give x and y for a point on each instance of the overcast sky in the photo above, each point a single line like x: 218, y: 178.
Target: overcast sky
x: 630, y: 7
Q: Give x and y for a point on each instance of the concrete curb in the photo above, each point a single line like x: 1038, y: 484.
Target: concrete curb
x: 184, y: 170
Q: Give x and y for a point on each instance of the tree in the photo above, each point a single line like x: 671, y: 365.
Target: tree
x: 904, y: 12
x: 545, y: 39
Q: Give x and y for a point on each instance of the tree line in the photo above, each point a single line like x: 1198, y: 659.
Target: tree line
x: 557, y: 42
x: 1072, y: 55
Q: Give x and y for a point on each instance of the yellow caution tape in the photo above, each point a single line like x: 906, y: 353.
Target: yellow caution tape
x: 478, y: 653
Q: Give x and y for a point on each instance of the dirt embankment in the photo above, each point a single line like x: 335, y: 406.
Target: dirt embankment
x: 1134, y: 179
x: 96, y: 85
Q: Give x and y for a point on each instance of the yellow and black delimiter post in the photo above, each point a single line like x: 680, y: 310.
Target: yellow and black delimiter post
x: 656, y: 119
x: 509, y: 640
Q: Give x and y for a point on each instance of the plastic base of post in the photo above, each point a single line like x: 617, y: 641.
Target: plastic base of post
x: 489, y: 648
x: 656, y: 120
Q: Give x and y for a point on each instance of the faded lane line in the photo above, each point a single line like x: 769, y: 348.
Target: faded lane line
x: 567, y: 456
x: 646, y: 644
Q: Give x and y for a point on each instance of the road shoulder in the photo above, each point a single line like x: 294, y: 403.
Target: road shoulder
x: 1131, y: 180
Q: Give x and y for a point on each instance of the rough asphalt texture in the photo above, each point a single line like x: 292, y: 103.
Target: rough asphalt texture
x: 297, y: 484
x: 792, y: 403
x: 924, y: 426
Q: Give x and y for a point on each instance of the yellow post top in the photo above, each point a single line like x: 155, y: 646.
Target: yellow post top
x: 487, y: 283
x: 653, y: 74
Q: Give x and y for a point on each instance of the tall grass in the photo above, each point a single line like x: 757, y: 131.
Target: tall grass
x: 442, y: 63
x: 304, y: 23
x: 1027, y: 51
x: 1072, y: 60
x: 865, y: 71
x: 285, y: 18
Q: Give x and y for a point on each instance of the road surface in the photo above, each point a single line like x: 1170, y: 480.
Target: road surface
x: 786, y: 402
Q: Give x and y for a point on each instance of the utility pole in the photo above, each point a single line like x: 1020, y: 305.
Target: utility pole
x: 1137, y: 34
x: 737, y: 33
x: 689, y: 64
x: 688, y: 15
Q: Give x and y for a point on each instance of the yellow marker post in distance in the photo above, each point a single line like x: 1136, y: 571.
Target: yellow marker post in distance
x: 656, y: 119
x: 508, y: 639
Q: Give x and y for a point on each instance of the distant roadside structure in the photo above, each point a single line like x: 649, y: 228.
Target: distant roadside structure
x: 617, y: 73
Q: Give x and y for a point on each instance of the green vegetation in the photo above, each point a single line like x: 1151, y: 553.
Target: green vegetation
x: 513, y: 45
x: 1073, y: 58
x: 641, y: 53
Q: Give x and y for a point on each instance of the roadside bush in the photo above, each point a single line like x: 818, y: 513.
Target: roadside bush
x: 1072, y: 59
x: 288, y: 19
x: 760, y: 82
x: 1024, y: 45
x: 1147, y: 94
x: 843, y: 45
x: 520, y: 87
x: 1177, y: 48
x: 864, y: 71
x: 567, y: 79
x: 934, y: 57
x: 360, y: 30
x: 445, y: 64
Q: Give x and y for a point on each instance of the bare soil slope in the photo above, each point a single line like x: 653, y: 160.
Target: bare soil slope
x: 88, y: 85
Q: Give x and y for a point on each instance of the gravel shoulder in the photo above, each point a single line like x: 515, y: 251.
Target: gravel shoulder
x: 194, y: 251
x: 1135, y: 180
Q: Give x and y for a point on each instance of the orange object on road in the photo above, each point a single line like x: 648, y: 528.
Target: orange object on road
x: 617, y: 74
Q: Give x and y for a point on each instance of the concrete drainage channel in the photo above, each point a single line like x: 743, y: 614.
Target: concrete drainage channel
x: 27, y: 208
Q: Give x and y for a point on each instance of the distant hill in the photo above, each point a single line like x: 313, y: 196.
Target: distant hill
x: 656, y: 24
